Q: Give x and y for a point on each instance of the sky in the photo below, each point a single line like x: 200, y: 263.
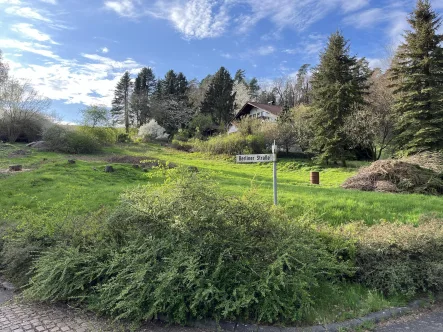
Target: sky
x: 75, y: 51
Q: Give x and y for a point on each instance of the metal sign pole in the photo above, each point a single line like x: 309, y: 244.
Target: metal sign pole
x: 274, y: 152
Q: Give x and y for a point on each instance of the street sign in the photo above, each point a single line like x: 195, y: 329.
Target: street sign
x: 263, y: 158
x: 256, y: 158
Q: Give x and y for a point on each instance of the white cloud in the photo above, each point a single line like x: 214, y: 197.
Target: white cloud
x: 52, y: 2
x: 30, y: 32
x: 87, y: 83
x: 312, y: 45
x: 125, y: 8
x: 198, y: 19
x: 27, y: 12
x: 104, y: 50
x: 30, y: 47
x: 266, y: 50
x: 226, y: 55
x: 11, y: 2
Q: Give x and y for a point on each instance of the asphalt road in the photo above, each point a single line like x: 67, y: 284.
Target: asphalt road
x: 424, y: 321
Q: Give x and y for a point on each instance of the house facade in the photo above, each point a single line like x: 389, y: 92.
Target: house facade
x: 265, y: 112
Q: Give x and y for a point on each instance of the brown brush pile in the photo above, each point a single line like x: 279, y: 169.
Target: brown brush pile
x: 396, y: 176
x: 429, y: 160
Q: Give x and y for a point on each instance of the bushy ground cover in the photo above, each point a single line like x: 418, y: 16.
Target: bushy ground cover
x: 197, y: 229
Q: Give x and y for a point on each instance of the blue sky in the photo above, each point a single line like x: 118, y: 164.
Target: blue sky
x: 74, y: 51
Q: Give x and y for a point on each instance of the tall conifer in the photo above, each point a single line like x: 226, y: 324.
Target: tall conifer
x: 120, y: 104
x: 338, y: 86
x: 417, y: 75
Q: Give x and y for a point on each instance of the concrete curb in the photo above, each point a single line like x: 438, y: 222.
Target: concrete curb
x: 375, y: 317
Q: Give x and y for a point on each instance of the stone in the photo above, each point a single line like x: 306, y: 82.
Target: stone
x: 71, y: 161
x: 109, y: 169
x: 136, y: 166
x: 15, y: 168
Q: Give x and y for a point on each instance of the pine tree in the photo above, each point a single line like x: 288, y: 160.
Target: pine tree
x: 339, y: 85
x: 240, y: 76
x: 143, y: 90
x: 417, y: 75
x: 170, y: 85
x: 120, y: 105
x: 219, y: 99
x: 254, y: 88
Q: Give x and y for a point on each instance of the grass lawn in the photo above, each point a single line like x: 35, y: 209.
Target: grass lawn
x: 84, y: 187
x: 52, y: 179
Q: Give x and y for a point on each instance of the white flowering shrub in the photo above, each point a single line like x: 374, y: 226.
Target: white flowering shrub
x: 152, y: 130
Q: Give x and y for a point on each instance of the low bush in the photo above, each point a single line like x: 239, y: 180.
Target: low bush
x: 152, y: 131
x: 103, y: 135
x: 232, y: 144
x: 188, y: 252
x: 124, y: 138
x: 181, y: 145
x: 66, y: 140
x: 397, y: 258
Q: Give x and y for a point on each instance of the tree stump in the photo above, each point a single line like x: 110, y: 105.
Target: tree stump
x: 109, y: 169
x: 15, y: 168
x: 136, y: 166
x: 71, y: 161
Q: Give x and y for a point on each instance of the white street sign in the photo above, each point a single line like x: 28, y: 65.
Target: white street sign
x: 256, y: 158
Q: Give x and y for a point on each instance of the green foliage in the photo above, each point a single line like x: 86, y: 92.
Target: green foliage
x: 219, y: 99
x: 231, y: 144
x: 417, y: 73
x: 187, y: 251
x: 120, y: 104
x: 65, y: 140
x: 338, y: 87
x: 96, y: 115
x: 102, y: 135
x: 123, y: 138
x: 399, y: 259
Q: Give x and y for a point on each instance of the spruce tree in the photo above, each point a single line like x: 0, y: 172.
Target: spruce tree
x: 417, y: 75
x: 219, y: 99
x: 143, y: 90
x: 339, y: 85
x: 120, y: 104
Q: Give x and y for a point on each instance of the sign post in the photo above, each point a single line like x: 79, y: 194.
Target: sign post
x: 263, y: 158
x: 274, y: 152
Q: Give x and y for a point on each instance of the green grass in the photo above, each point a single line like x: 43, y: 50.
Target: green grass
x: 52, y: 179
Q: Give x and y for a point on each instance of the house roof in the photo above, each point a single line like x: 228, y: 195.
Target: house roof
x: 276, y: 110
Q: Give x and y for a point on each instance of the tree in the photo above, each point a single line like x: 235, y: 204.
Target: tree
x: 21, y: 109
x: 254, y: 89
x: 302, y: 85
x: 417, y: 74
x: 339, y: 85
x: 96, y: 115
x: 144, y: 87
x: 242, y: 95
x: 371, y: 127
x: 4, y: 69
x: 240, y: 76
x: 219, y: 99
x: 120, y: 105
x: 169, y: 83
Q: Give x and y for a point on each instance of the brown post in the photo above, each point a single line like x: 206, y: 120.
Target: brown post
x: 315, y: 178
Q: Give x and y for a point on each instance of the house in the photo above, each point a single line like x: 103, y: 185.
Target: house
x: 266, y: 112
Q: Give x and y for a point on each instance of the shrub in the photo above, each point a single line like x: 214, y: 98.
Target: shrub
x: 232, y: 144
x: 65, y: 140
x: 186, y: 251
x: 123, y: 138
x: 397, y: 258
x: 152, y: 130
x: 103, y: 135
x: 182, y: 146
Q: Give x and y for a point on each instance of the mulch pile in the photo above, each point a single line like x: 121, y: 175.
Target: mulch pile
x: 396, y: 176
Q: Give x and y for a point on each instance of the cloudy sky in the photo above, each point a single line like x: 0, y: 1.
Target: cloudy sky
x: 74, y: 51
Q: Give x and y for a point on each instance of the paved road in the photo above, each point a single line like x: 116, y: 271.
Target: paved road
x: 425, y: 321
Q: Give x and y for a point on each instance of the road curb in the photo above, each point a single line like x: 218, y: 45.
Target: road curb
x: 375, y: 317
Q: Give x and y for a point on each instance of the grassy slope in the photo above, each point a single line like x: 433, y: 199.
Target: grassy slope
x: 54, y: 179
